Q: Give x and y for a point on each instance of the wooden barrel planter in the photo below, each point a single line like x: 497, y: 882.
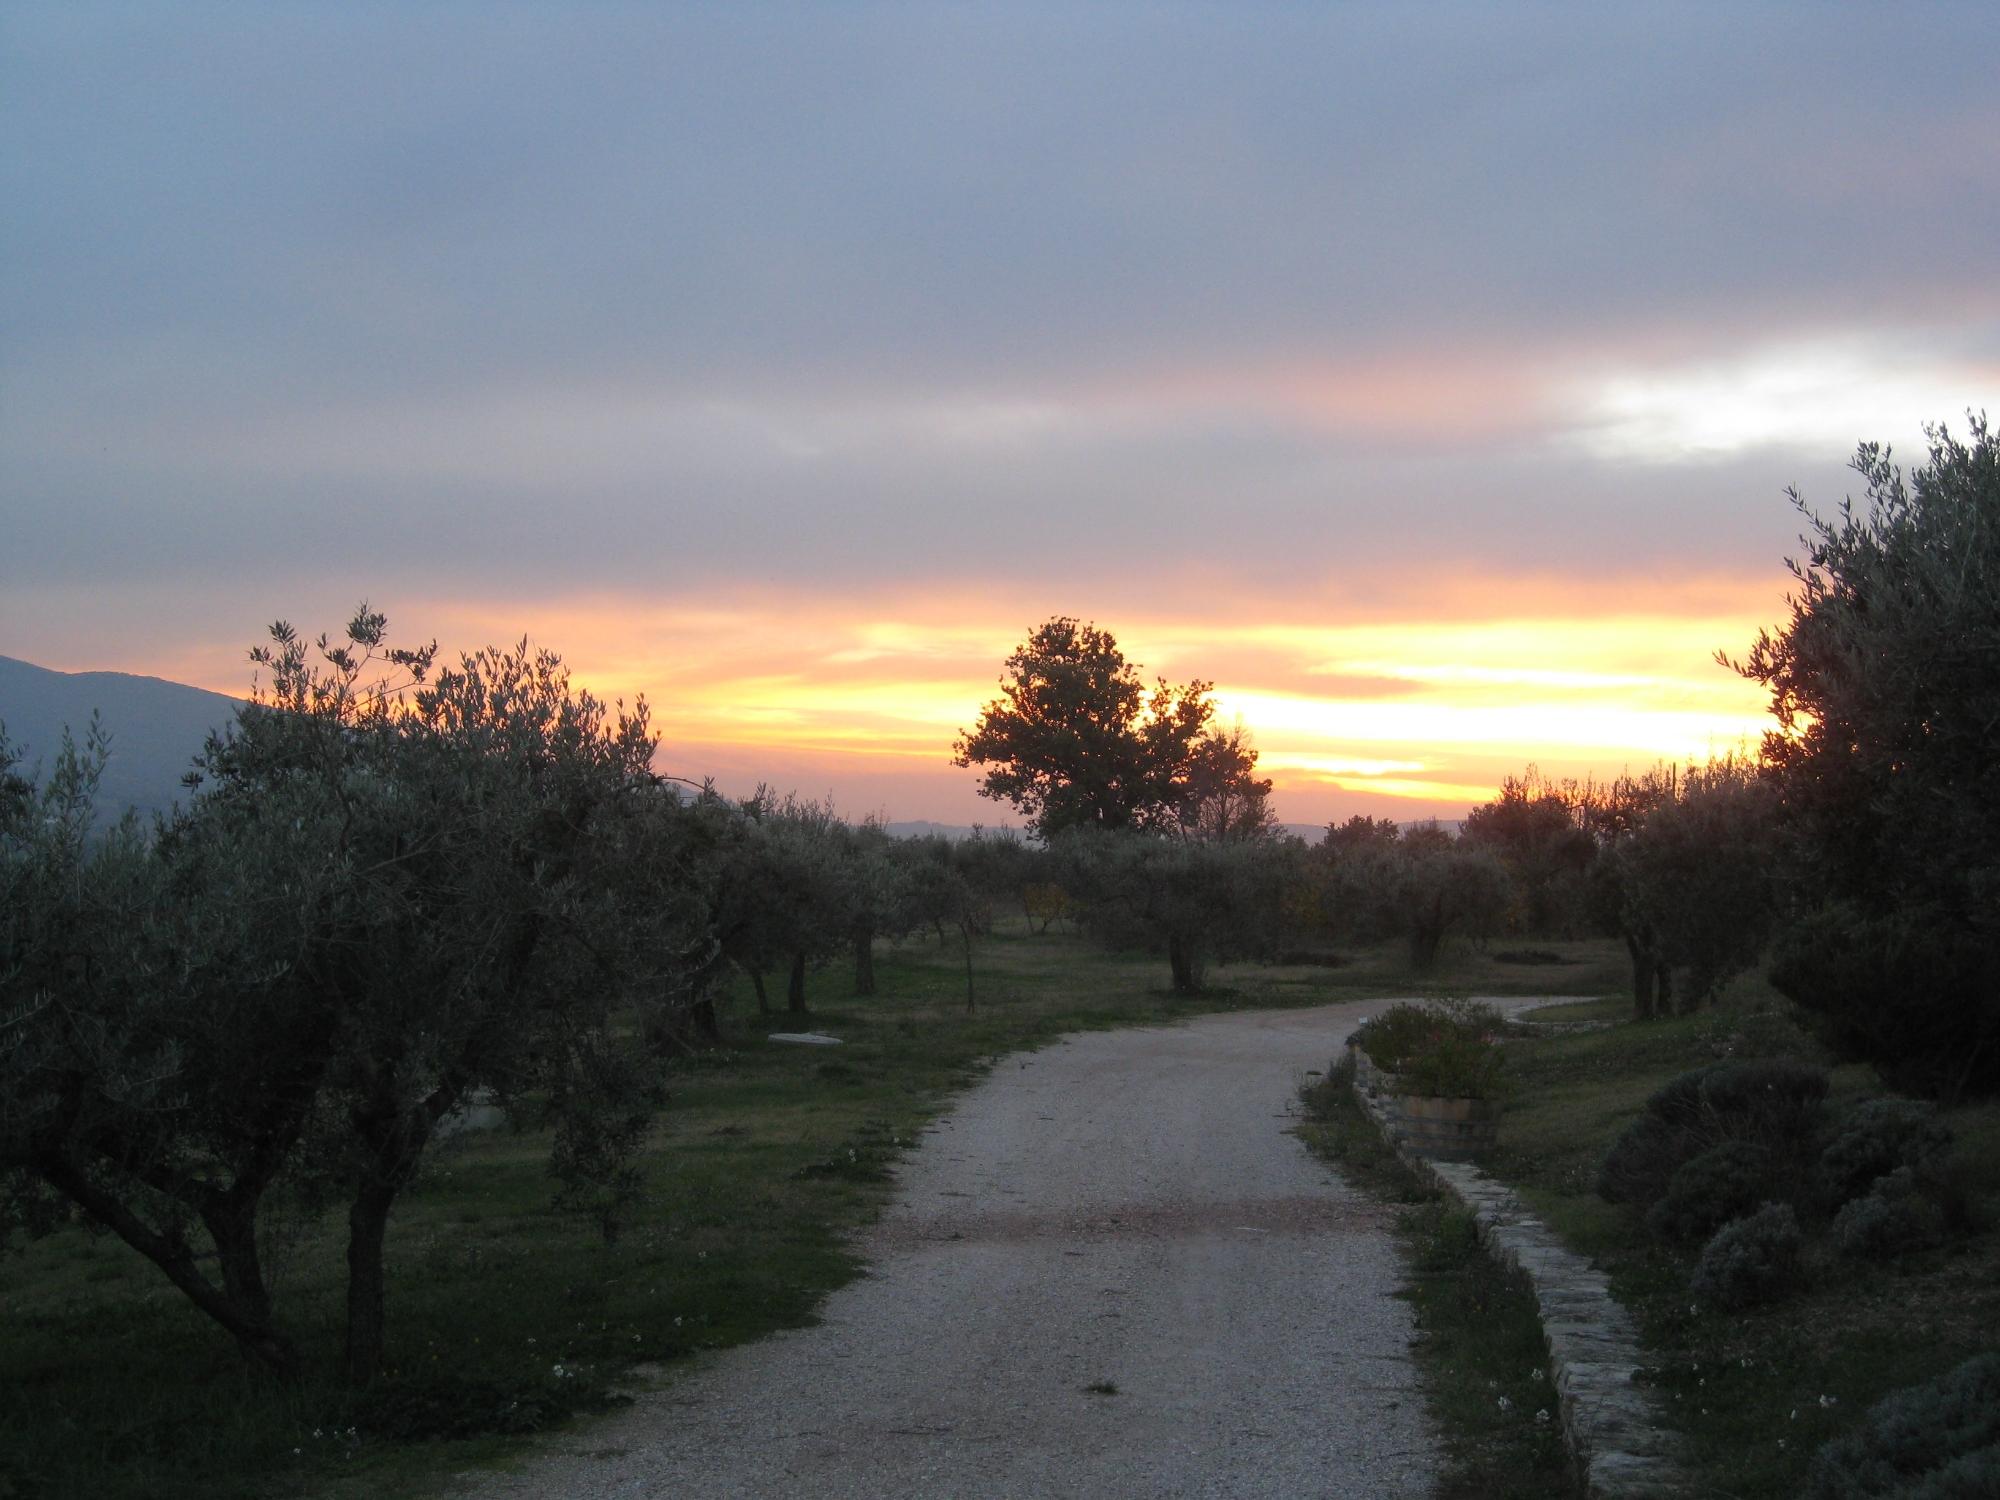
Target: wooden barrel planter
x: 1447, y: 1129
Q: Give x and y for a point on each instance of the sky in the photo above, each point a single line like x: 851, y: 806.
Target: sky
x: 1427, y: 378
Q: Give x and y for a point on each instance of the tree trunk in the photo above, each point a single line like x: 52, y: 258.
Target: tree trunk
x: 763, y: 998
x: 1184, y: 959
x: 864, y: 961
x: 263, y: 1344
x: 795, y: 986
x: 707, y: 1025
x: 965, y: 933
x: 1643, y: 980
x: 234, y: 1229
x: 367, y: 1224
x: 1425, y: 940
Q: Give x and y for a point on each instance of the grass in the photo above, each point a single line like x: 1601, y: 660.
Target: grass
x: 1615, y: 1008
x: 1479, y: 1345
x: 505, y: 1315
x: 1754, y: 1393
x: 1588, y: 969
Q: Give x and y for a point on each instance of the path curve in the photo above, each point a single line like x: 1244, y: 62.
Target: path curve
x: 1123, y: 1207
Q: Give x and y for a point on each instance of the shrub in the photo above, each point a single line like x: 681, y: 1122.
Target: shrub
x: 1772, y: 1100
x: 1914, y: 992
x: 1725, y: 1182
x: 1750, y: 1260
x: 1440, y: 1047
x: 1934, y: 1441
x: 1381, y: 1034
x: 1394, y: 1034
x: 1874, y: 1140
x: 1772, y: 1104
x: 1891, y: 1220
x: 1678, y: 1100
x: 1455, y: 1066
x: 1643, y: 1160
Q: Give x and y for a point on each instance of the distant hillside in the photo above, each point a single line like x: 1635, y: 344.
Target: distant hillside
x: 156, y: 727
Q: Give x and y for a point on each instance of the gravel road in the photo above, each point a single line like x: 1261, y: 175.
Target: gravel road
x: 1123, y: 1209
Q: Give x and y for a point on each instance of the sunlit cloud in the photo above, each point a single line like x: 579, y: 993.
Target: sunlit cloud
x: 1820, y: 395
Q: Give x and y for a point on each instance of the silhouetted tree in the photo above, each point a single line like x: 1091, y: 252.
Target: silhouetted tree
x: 1196, y: 902
x: 1885, y: 683
x: 1698, y: 875
x: 1534, y: 826
x: 1075, y: 740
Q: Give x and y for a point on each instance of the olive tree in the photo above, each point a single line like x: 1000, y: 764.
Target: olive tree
x: 393, y: 891
x: 1697, y: 875
x: 1195, y: 901
x: 133, y: 1087
x: 1076, y: 740
x: 1885, y: 683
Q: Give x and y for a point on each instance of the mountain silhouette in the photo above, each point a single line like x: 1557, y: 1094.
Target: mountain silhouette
x: 155, y: 728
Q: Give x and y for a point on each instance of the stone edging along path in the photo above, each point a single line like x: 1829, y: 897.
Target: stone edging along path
x: 1612, y: 1424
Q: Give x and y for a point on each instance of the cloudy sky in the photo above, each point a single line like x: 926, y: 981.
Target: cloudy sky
x: 1428, y: 378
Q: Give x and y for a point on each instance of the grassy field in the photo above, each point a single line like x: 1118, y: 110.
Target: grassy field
x: 505, y: 1315
x: 1755, y: 1393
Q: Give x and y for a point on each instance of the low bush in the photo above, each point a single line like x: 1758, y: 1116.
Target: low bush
x: 1892, y: 1219
x: 1441, y: 1047
x: 1773, y: 1104
x: 1937, y: 1441
x: 1394, y: 1034
x: 1751, y: 1260
x: 1775, y: 1101
x: 1725, y: 1182
x: 1642, y: 1161
x: 1915, y: 992
x: 1874, y: 1140
x: 1455, y: 1066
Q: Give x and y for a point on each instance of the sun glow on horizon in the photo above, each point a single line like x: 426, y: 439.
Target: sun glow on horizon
x: 1404, y: 712
x: 1424, y: 715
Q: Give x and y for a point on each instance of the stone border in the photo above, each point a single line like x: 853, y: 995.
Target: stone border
x: 1612, y: 1424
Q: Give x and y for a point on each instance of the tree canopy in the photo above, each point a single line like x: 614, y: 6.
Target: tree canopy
x: 1076, y: 740
x: 1885, y: 683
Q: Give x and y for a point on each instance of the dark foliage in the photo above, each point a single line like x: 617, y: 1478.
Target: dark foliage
x: 1885, y: 684
x: 1892, y: 1219
x: 1752, y: 1260
x: 1725, y: 1182
x: 1875, y: 1139
x: 1937, y: 1441
x: 1772, y: 1104
x: 1915, y: 990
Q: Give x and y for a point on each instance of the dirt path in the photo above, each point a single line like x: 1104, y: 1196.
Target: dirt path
x: 1124, y: 1208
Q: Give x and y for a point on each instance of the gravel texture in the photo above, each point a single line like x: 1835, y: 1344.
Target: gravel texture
x: 1123, y: 1209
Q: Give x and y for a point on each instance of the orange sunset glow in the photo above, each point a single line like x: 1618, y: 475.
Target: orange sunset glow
x: 1403, y: 718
